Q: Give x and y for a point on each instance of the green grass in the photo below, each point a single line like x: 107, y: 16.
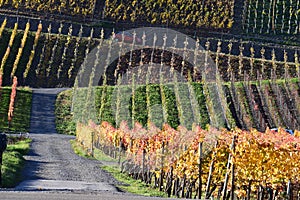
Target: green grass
x: 128, y: 183
x: 13, y: 163
x: 99, y: 155
x: 79, y: 150
x: 132, y: 185
x: 22, y: 109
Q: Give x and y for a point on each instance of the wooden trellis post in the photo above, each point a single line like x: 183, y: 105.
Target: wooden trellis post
x: 162, y: 165
x: 232, y: 171
x: 229, y: 162
x: 200, y: 169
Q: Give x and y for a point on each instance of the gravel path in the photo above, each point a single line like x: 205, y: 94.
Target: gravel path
x: 52, y: 158
x: 51, y: 162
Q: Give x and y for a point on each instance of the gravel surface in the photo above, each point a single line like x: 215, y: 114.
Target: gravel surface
x: 51, y: 156
x: 74, y: 196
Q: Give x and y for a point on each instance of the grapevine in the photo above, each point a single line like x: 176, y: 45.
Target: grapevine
x: 49, y: 68
x: 11, y: 41
x: 2, y: 27
x: 260, y: 159
x: 212, y: 13
x: 69, y: 7
x: 32, y: 53
x: 42, y: 57
x: 78, y: 39
x: 23, y: 41
x: 64, y: 55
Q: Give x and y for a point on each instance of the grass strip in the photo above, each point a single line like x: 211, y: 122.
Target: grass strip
x: 13, y: 163
x: 22, y: 110
x: 132, y: 185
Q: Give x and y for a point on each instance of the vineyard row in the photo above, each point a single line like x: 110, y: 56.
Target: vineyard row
x: 32, y: 56
x: 272, y: 17
x: 260, y: 105
x: 202, y: 163
x: 263, y: 17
